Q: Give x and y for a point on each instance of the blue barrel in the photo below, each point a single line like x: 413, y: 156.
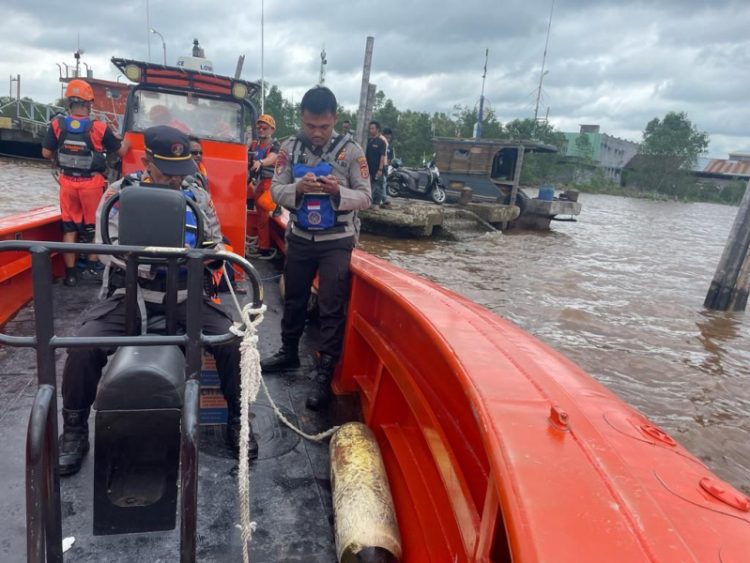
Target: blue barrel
x: 546, y: 193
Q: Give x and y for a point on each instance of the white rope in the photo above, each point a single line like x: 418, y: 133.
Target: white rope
x: 251, y: 379
x: 251, y: 245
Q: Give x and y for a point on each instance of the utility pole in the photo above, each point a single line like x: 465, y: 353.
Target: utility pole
x: 363, y: 93
x: 262, y: 57
x: 240, y: 63
x: 371, y: 91
x: 542, y: 72
x: 323, y: 63
x: 148, y: 31
x: 480, y: 115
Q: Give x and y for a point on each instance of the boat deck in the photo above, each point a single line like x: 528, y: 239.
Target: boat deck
x: 290, y: 487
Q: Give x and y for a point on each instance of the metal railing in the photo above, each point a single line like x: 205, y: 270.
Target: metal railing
x: 34, y: 117
x: 43, y: 509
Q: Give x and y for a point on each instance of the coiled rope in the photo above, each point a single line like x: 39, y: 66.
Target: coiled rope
x: 251, y: 380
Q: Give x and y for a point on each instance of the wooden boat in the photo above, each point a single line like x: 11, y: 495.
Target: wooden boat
x: 496, y: 447
x: 492, y: 169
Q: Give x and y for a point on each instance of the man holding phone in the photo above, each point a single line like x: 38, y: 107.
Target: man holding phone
x: 322, y: 178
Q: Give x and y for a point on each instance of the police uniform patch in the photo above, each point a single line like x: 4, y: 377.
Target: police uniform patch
x: 363, y: 167
x: 281, y: 161
x: 342, y: 155
x: 314, y: 218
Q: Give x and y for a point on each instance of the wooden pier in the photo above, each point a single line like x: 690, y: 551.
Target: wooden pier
x: 412, y: 218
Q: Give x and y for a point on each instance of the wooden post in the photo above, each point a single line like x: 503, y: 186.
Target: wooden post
x: 361, y: 135
x: 368, y: 111
x: 516, y: 180
x: 731, y: 283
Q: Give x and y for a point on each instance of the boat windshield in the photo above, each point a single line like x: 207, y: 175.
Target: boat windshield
x: 220, y: 120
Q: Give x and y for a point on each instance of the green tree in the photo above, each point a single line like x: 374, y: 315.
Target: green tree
x: 443, y: 125
x: 283, y: 112
x: 414, y: 137
x: 345, y: 114
x: 387, y: 114
x: 671, y: 147
x: 584, y: 148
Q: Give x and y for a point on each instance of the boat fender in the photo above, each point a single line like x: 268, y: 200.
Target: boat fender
x: 365, y: 521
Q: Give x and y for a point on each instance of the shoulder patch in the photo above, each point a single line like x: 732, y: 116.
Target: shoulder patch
x: 281, y: 161
x: 364, y: 172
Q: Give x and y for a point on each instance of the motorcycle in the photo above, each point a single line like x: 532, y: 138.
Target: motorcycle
x: 423, y: 182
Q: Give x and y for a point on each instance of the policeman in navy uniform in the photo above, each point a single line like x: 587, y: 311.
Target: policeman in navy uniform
x: 322, y: 179
x: 167, y: 163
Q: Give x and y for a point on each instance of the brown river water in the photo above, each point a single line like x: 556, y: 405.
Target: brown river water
x: 620, y: 292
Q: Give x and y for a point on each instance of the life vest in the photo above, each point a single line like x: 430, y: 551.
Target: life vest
x: 316, y: 211
x: 80, y: 145
x: 256, y: 152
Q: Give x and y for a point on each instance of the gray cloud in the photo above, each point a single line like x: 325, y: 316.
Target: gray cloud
x: 616, y: 63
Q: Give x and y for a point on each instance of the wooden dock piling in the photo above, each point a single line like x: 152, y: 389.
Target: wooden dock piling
x: 731, y: 284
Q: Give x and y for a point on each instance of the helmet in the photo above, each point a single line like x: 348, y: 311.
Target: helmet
x: 267, y: 119
x: 80, y: 90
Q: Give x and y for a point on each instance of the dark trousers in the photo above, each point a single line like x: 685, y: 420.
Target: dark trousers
x: 83, y: 366
x: 330, y: 259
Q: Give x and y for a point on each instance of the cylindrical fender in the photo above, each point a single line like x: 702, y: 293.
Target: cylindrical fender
x: 366, y: 526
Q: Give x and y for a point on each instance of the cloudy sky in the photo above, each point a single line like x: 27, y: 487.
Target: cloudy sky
x: 615, y: 63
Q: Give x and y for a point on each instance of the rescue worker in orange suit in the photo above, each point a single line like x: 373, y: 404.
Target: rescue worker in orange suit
x: 262, y: 154
x: 167, y: 163
x: 78, y: 145
x: 322, y: 178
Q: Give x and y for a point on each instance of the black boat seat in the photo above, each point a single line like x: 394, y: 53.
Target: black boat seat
x: 142, y: 378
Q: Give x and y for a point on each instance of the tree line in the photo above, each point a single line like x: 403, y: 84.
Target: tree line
x: 413, y: 131
x: 662, y: 168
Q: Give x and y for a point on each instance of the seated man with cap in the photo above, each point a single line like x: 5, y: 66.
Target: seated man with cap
x: 167, y: 162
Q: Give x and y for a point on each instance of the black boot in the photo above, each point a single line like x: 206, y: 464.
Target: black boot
x: 71, y: 277
x: 285, y: 358
x: 322, y: 375
x: 74, y: 441
x: 233, y: 437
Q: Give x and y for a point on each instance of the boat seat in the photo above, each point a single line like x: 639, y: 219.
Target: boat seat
x: 142, y: 378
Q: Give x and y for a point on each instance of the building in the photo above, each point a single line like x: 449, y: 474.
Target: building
x: 610, y: 154
x: 723, y: 171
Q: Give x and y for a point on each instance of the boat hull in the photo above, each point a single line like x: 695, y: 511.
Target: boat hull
x: 497, y: 447
x: 15, y: 267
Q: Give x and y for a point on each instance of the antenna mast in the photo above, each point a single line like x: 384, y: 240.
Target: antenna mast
x: 323, y: 63
x: 148, y: 31
x: 480, y: 115
x: 544, y: 60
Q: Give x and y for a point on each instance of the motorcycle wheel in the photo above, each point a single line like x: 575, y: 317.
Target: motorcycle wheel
x: 438, y: 194
x: 392, y: 189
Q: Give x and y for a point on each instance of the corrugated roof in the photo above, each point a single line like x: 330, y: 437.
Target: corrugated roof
x: 727, y: 167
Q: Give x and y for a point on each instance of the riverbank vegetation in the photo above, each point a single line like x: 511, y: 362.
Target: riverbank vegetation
x: 661, y: 169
